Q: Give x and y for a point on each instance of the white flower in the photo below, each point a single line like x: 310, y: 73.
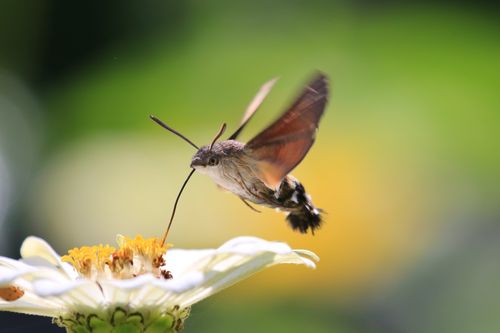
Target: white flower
x: 133, y: 285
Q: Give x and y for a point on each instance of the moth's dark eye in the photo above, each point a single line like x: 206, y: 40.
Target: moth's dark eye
x: 213, y: 161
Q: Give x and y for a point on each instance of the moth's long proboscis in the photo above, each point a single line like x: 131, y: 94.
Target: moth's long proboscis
x: 175, y: 206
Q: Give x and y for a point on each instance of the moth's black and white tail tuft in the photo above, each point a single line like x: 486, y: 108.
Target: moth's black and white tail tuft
x: 305, y: 216
x: 304, y: 219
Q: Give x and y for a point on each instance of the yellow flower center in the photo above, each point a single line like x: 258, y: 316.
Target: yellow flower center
x: 133, y: 257
x: 88, y: 258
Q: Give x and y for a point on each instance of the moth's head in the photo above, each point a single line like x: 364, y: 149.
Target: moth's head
x: 206, y: 158
x: 213, y: 156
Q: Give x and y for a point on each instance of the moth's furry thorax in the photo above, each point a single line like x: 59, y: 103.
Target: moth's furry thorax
x: 225, y: 164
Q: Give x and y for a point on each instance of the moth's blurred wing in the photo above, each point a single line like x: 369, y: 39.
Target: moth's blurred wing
x: 281, y: 146
x: 253, y: 106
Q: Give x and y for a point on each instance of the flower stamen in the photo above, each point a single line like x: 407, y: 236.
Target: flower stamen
x: 90, y: 261
x: 132, y: 258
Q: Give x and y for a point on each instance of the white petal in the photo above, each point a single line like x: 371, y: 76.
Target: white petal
x: 32, y: 308
x: 307, y: 253
x: 31, y: 298
x: 11, y: 264
x: 142, y: 291
x: 251, y: 245
x: 43, y: 273
x: 201, y: 273
x: 241, y: 257
x: 84, y: 293
x: 121, y: 291
x: 7, y: 278
x: 37, y: 247
x: 183, y: 262
x: 145, y: 290
x: 12, y: 269
x: 33, y: 247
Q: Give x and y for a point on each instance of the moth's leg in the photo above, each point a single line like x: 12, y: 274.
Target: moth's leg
x: 242, y: 183
x: 250, y: 206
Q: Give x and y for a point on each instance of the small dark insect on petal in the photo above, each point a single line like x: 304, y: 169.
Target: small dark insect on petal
x: 167, y: 275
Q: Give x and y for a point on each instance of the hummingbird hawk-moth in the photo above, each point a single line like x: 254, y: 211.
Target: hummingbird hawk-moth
x: 258, y: 171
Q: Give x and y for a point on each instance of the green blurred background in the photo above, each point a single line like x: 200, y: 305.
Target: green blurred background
x: 406, y: 164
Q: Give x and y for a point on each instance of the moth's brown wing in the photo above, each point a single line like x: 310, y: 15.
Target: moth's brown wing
x: 253, y: 106
x: 281, y: 146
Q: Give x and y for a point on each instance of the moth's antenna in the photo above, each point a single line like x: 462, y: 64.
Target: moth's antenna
x: 162, y: 124
x: 219, y: 134
x: 175, y: 207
